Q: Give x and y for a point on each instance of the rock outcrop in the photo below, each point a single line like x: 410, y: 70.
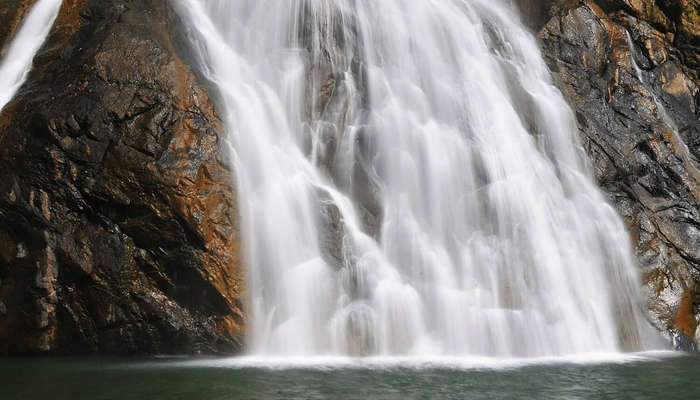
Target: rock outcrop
x: 117, y: 212
x: 629, y: 69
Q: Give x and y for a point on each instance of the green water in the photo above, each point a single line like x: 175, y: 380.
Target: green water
x: 649, y: 377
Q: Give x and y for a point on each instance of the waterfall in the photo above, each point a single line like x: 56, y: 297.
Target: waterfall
x: 410, y: 183
x: 17, y: 63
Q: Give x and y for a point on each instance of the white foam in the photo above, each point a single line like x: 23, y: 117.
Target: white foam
x: 420, y: 363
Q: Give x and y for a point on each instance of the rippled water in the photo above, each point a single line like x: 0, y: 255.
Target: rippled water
x: 640, y: 376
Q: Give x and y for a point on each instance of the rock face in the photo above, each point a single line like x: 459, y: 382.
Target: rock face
x: 629, y: 70
x: 117, y: 216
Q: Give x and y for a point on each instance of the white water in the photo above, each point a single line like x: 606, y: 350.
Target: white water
x: 491, y: 238
x: 419, y: 363
x: 17, y: 63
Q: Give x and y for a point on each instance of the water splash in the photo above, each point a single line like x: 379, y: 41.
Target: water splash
x: 410, y: 183
x: 17, y: 62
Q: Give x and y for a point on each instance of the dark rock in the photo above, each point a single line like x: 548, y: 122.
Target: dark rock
x: 641, y: 135
x: 117, y: 221
x: 332, y: 235
x: 683, y: 343
x: 536, y: 13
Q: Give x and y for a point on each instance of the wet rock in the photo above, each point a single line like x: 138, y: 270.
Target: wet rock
x: 337, y: 107
x: 681, y: 342
x: 640, y: 129
x: 685, y: 321
x: 536, y: 13
x: 332, y: 235
x: 118, y: 228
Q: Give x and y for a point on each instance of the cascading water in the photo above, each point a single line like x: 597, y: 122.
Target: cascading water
x: 17, y: 62
x: 410, y: 183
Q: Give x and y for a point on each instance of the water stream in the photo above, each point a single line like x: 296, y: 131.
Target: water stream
x: 30, y: 36
x: 410, y: 183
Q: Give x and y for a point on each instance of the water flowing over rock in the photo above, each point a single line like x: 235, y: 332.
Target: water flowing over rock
x: 11, y: 16
x: 17, y: 58
x: 408, y: 177
x: 410, y: 182
x: 118, y: 220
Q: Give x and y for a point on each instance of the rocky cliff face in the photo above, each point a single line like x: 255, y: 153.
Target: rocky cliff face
x: 629, y: 68
x: 117, y: 216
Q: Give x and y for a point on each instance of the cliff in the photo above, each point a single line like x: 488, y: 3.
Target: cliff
x: 118, y: 218
x: 638, y: 121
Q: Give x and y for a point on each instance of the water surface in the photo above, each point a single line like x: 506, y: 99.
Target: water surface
x: 643, y: 376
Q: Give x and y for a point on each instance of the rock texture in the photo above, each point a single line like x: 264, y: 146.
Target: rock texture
x: 629, y: 68
x: 117, y: 217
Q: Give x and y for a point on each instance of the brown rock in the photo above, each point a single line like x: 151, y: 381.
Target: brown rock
x: 685, y: 318
x: 118, y: 227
